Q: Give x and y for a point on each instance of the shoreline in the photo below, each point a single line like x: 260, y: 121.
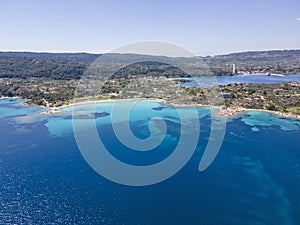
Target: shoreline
x: 277, y: 113
x: 236, y: 111
x: 55, y: 110
x: 229, y: 112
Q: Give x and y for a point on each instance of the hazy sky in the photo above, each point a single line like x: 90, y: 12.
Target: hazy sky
x: 204, y: 27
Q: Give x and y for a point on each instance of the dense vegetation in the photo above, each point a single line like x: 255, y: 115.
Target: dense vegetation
x: 73, y: 65
x: 24, y: 67
x: 39, y: 91
x: 50, y: 79
x: 153, y: 69
x: 67, y: 57
x: 281, y: 97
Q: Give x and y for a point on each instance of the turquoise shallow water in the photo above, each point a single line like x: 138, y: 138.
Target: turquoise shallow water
x: 255, y: 178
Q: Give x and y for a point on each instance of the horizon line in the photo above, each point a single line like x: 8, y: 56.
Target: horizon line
x: 106, y: 52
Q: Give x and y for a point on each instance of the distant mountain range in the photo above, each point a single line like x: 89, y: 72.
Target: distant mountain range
x: 69, y: 57
x: 89, y: 57
x: 73, y: 65
x: 259, y: 57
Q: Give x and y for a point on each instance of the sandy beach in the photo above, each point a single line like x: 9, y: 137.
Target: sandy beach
x: 225, y: 112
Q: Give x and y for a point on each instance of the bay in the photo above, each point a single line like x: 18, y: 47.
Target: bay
x: 246, y: 79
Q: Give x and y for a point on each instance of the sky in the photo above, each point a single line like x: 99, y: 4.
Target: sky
x: 206, y: 27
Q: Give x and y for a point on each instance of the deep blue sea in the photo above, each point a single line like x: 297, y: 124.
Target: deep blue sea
x: 255, y: 178
x: 246, y: 79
